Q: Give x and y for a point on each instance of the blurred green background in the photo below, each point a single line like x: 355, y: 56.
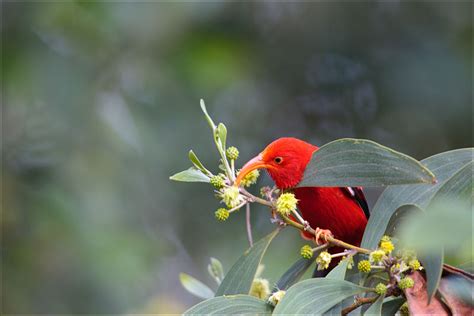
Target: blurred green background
x: 100, y: 104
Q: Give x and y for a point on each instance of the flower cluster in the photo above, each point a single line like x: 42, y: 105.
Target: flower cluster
x: 286, y: 203
x: 250, y: 178
x: 276, y: 297
x: 231, y: 196
x: 260, y: 288
x: 323, y: 260
x: 222, y: 214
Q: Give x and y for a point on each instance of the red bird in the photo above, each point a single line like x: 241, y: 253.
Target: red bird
x: 341, y: 210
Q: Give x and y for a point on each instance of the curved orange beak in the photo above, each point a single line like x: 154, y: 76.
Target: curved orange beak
x: 251, y: 165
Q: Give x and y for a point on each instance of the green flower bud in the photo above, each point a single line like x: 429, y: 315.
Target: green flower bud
x: 232, y: 153
x: 222, y: 214
x: 406, y: 283
x: 414, y: 264
x: 286, y: 203
x: 276, y: 297
x: 260, y: 288
x: 364, y: 266
x: 217, y: 181
x: 306, y: 252
x: 250, y: 178
x: 323, y: 260
x: 381, y: 289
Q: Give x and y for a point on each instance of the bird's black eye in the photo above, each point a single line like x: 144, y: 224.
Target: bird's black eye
x: 278, y: 160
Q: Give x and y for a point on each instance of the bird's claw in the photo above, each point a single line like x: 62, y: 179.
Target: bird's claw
x: 322, y: 235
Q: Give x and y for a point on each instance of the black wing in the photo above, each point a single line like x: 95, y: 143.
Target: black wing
x: 357, y: 194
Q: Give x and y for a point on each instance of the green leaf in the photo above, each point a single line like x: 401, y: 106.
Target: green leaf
x: 222, y: 133
x: 196, y: 162
x: 195, y: 286
x: 231, y: 305
x: 240, y: 277
x: 359, y: 162
x: 443, y: 165
x: 432, y: 231
x: 208, y: 117
x: 190, y: 175
x: 391, y: 306
x: 400, y: 217
x: 376, y: 307
x: 216, y: 270
x: 316, y: 296
x: 293, y: 274
x: 339, y: 271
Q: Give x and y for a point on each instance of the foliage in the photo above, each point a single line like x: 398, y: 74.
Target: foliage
x: 390, y: 260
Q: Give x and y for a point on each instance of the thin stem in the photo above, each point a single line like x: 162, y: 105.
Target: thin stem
x: 359, y: 302
x: 238, y: 206
x: 298, y: 216
x: 249, y: 224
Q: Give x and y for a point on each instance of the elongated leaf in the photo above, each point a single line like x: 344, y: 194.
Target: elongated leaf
x: 339, y: 272
x: 445, y: 224
x: 196, y: 162
x: 293, y: 274
x: 399, y: 217
x: 316, y: 296
x: 231, y: 305
x: 433, y: 264
x: 190, y: 175
x: 195, y: 286
x: 208, y: 117
x: 239, y: 278
x: 216, y: 270
x: 376, y: 307
x: 443, y: 165
x: 222, y: 133
x: 392, y: 305
x: 359, y: 162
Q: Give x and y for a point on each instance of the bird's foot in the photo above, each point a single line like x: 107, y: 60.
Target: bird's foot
x: 322, y: 235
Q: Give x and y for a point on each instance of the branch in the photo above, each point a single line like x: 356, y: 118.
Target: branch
x: 331, y: 240
x: 359, y: 302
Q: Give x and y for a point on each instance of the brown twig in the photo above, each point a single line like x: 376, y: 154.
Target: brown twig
x: 331, y: 240
x: 248, y: 224
x: 359, y: 302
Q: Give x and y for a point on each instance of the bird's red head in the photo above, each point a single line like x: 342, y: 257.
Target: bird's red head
x: 285, y: 159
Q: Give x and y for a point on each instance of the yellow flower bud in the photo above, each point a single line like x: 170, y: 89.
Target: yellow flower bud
x: 364, y: 266
x: 406, y: 283
x: 376, y: 256
x: 260, y: 288
x: 250, y: 178
x: 323, y: 260
x: 276, y: 297
x: 222, y: 214
x: 404, y: 310
x: 386, y: 244
x: 414, y: 264
x: 306, y: 252
x: 286, y: 203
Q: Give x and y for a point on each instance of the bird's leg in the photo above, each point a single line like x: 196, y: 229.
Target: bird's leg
x: 321, y: 235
